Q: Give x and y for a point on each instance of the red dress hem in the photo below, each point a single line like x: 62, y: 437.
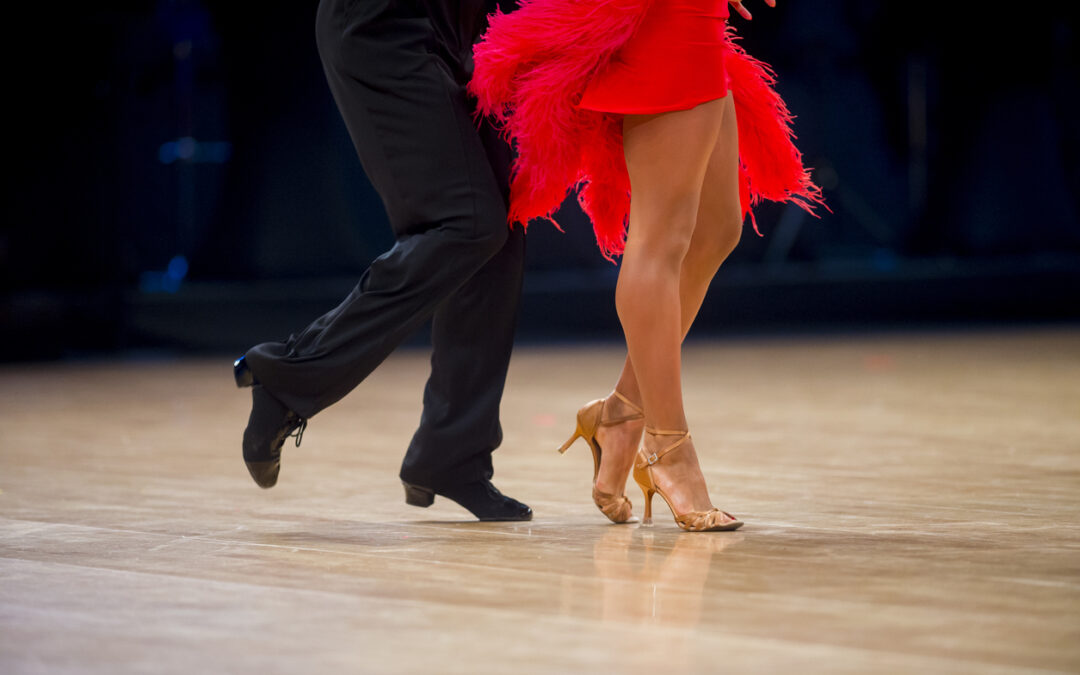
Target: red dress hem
x: 655, y: 110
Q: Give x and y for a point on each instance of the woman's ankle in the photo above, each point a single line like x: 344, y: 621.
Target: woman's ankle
x: 616, y: 408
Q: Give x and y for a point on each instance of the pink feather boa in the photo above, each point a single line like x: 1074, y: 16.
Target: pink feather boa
x: 531, y: 70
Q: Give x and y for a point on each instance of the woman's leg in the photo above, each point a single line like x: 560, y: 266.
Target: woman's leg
x: 667, y: 157
x: 716, y: 232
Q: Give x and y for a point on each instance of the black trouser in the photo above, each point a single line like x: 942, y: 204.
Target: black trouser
x: 401, y: 91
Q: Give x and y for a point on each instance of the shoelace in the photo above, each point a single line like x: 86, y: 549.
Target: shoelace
x: 298, y: 432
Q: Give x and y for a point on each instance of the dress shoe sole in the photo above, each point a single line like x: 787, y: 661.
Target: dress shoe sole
x: 508, y: 519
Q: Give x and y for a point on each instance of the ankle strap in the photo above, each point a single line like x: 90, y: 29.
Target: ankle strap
x: 667, y: 432
x: 649, y: 460
x: 637, y: 415
x: 633, y: 406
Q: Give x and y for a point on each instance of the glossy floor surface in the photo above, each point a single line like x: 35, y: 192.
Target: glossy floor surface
x: 912, y: 504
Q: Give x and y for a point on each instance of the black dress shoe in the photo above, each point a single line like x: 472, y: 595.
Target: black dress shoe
x: 480, y: 498
x: 268, y: 426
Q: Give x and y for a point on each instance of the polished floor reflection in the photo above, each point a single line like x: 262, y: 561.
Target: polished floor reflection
x: 912, y: 504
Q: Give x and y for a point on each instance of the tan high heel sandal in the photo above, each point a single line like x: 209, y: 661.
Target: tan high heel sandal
x: 589, y: 419
x: 693, y: 521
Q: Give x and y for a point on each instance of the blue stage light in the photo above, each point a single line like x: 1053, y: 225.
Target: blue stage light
x: 188, y: 149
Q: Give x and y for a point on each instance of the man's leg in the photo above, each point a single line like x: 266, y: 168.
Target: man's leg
x: 415, y: 136
x: 472, y: 335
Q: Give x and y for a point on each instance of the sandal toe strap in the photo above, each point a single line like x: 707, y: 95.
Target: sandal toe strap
x: 696, y: 521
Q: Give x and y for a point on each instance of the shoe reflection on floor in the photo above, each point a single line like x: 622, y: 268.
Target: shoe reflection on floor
x: 647, y: 576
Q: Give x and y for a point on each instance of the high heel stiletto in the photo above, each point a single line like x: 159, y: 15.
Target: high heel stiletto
x: 692, y: 521
x: 589, y: 420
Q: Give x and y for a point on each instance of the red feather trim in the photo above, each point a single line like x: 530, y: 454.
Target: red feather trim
x: 531, y: 70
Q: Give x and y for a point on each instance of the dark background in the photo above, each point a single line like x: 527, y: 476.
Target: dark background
x: 179, y: 179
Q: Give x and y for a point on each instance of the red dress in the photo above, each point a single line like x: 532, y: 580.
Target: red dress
x: 559, y: 75
x: 674, y: 61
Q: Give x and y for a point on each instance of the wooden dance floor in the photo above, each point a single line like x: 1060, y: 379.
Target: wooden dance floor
x: 912, y: 504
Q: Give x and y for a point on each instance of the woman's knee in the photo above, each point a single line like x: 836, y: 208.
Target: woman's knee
x: 635, y: 290
x: 727, y: 235
x: 664, y: 229
x: 716, y: 237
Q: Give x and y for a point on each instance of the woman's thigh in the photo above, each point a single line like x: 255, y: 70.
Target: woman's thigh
x: 719, y: 219
x: 667, y: 157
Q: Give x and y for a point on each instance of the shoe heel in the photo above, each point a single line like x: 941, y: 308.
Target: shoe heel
x: 418, y: 496
x: 647, y: 519
x: 566, y: 446
x: 587, y: 420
